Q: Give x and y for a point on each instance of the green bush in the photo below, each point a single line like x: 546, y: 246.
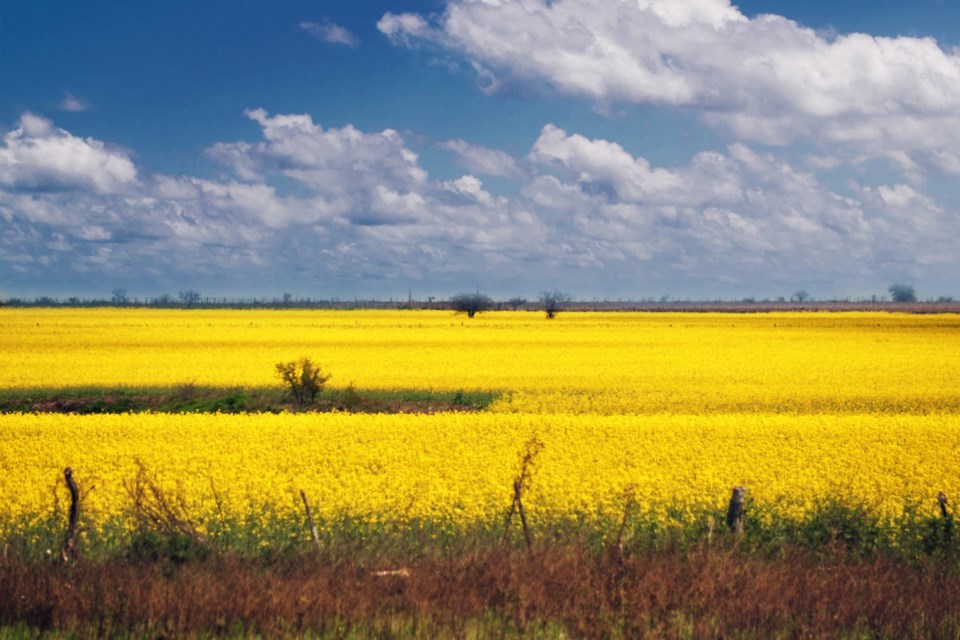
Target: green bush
x: 304, y: 379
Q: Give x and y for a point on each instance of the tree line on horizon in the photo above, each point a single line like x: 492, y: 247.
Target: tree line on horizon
x: 470, y: 304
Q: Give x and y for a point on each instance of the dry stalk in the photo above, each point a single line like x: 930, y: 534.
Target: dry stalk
x: 531, y: 449
x: 153, y: 509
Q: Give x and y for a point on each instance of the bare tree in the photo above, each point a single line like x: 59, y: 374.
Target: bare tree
x: 516, y: 303
x: 189, y: 297
x: 119, y: 296
x: 800, y: 296
x: 553, y: 301
x: 902, y: 293
x: 471, y: 303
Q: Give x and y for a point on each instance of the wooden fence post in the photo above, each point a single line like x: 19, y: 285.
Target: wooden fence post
x: 69, y: 551
x: 735, y: 510
x: 947, y: 521
x: 517, y: 491
x: 313, y: 526
x: 623, y: 526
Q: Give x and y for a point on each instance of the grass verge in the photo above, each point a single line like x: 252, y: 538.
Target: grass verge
x: 189, y: 398
x: 559, y: 590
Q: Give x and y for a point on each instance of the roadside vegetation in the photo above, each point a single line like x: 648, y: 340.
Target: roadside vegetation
x: 190, y: 398
x: 491, y: 592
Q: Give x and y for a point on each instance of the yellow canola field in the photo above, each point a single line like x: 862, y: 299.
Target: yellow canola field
x: 674, y: 409
x: 594, y: 363
x: 459, y: 468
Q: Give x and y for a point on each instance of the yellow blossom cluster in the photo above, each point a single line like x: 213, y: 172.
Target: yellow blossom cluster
x: 669, y: 410
x: 595, y: 363
x: 459, y: 467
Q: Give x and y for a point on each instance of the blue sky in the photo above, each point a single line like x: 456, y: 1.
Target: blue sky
x: 690, y: 148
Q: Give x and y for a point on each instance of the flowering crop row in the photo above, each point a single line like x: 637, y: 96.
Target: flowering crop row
x: 459, y: 468
x: 593, y: 363
x: 667, y: 410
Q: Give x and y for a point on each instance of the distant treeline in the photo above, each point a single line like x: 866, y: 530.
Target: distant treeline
x: 943, y: 304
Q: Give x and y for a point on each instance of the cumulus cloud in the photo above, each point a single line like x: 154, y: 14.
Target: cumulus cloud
x: 333, y: 161
x: 373, y: 189
x: 741, y: 215
x: 405, y: 28
x: 766, y: 79
x: 327, y: 31
x: 484, y: 160
x: 363, y: 210
x: 37, y: 155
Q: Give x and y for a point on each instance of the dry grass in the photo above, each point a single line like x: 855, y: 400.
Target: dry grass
x: 498, y: 591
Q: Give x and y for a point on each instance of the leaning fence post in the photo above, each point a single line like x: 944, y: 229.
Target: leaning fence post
x: 69, y: 550
x: 623, y: 526
x: 735, y: 510
x: 517, y: 491
x: 313, y: 526
x: 947, y: 520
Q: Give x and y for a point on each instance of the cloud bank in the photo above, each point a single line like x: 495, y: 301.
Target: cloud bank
x: 764, y: 80
x: 318, y: 210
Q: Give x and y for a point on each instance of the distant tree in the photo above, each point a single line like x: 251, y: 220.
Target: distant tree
x: 516, y: 303
x: 163, y: 299
x: 471, y: 303
x: 902, y: 293
x: 945, y: 299
x: 552, y: 301
x: 287, y: 298
x: 304, y: 378
x: 119, y: 296
x: 189, y: 297
x: 800, y: 296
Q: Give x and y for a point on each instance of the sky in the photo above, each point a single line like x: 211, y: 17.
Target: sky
x: 695, y: 149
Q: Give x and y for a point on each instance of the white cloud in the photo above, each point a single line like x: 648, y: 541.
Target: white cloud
x: 602, y: 164
x: 484, y: 160
x: 73, y: 104
x: 738, y: 217
x: 947, y: 162
x: 400, y: 28
x: 37, y: 155
x: 364, y: 210
x: 334, y: 161
x: 327, y: 31
x: 766, y: 79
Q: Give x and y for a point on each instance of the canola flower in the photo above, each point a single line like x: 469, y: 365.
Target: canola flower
x: 593, y: 363
x: 459, y: 468
x: 669, y: 410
